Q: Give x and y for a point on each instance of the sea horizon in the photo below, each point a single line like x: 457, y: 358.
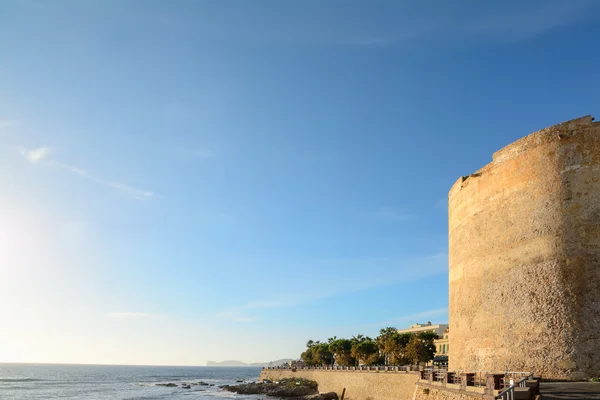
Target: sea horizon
x: 130, y: 365
x: 28, y: 381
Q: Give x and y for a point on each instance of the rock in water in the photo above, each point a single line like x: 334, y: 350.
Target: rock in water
x: 297, y: 388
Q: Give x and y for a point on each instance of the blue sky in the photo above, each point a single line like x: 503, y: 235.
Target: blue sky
x: 205, y: 180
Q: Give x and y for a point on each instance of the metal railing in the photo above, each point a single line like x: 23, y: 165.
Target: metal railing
x: 479, y: 379
x: 472, y: 379
x: 496, y: 381
x: 503, y: 383
x: 381, y: 368
x: 439, y: 375
x: 510, y: 383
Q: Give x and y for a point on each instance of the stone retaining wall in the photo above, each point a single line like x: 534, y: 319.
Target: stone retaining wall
x: 433, y: 391
x: 359, y: 385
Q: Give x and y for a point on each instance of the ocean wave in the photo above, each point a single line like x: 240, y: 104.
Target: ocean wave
x: 152, y: 397
x: 221, y: 394
x: 20, y: 380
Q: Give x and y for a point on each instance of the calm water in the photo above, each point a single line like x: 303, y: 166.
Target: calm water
x: 39, y: 381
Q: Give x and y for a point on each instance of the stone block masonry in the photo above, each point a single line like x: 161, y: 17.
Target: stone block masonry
x: 360, y: 385
x: 524, y: 257
x: 427, y: 391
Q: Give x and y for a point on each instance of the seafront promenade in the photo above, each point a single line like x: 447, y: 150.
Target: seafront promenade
x: 410, y: 382
x: 570, y: 390
x: 364, y: 368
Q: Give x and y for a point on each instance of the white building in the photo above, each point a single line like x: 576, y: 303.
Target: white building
x: 416, y: 328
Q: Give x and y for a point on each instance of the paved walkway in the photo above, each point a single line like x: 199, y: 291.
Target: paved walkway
x: 570, y: 390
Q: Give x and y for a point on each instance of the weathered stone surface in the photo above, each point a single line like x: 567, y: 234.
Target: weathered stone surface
x: 429, y: 392
x: 328, y: 396
x: 359, y: 385
x: 319, y: 396
x: 524, y: 255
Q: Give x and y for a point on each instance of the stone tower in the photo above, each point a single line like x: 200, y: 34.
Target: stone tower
x: 524, y: 255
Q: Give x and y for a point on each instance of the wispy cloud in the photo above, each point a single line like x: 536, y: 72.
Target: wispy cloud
x: 134, y: 315
x: 391, y: 272
x: 390, y: 214
x: 40, y: 154
x: 69, y: 168
x: 34, y: 155
x: 8, y: 123
x: 137, y: 193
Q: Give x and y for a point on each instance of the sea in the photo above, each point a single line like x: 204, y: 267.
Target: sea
x: 100, y: 382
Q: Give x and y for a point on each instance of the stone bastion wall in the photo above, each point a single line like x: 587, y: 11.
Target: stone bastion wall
x: 359, y: 385
x: 524, y: 257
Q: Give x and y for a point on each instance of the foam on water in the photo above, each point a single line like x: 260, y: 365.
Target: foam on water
x: 100, y: 382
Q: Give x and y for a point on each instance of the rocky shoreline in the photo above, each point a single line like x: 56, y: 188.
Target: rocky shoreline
x: 290, y: 389
x: 184, y: 385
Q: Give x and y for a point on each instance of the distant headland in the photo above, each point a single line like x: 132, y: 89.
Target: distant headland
x: 235, y: 363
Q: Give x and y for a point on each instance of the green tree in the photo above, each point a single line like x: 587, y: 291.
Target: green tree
x: 386, y: 343
x: 421, y: 347
x: 355, y: 340
x: 309, y: 355
x: 398, y: 356
x: 365, y: 350
x: 392, y: 346
x: 342, y: 351
x: 358, y: 338
x: 321, y: 354
x: 389, y: 331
